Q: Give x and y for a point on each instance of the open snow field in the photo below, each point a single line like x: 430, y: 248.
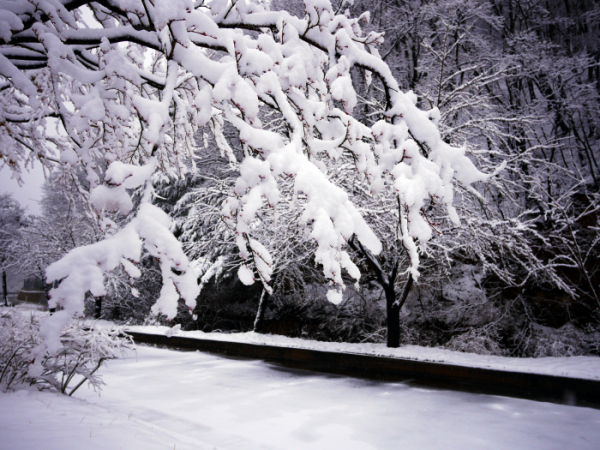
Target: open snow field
x: 164, y: 399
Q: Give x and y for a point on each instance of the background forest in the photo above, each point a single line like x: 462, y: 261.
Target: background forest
x: 516, y: 82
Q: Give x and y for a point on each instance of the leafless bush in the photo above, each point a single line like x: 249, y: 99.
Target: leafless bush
x: 482, y: 341
x: 564, y: 341
x: 85, y: 348
x: 18, y: 335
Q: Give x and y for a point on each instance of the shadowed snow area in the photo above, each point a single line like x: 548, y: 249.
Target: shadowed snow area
x: 162, y: 399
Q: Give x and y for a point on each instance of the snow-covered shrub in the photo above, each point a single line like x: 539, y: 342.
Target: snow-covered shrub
x: 85, y: 347
x: 461, y: 296
x: 564, y: 341
x: 359, y: 318
x: 482, y: 341
x: 18, y: 335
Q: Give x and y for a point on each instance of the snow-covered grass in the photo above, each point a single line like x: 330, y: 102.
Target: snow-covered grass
x: 164, y: 399
x: 585, y: 367
x: 31, y: 420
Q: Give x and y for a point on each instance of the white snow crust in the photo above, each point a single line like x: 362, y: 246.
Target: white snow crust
x: 162, y: 399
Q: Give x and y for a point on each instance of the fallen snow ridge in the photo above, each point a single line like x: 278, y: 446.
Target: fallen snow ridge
x: 584, y: 367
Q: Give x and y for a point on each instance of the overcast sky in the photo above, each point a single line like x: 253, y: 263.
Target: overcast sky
x: 30, y: 193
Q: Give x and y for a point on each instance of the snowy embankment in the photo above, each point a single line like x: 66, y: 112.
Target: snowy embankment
x: 584, y: 367
x: 171, y: 400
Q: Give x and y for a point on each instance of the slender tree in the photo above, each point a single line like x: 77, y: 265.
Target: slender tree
x: 12, y: 219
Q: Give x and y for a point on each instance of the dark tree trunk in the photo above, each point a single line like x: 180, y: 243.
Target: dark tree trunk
x: 393, y: 305
x: 260, y: 314
x: 393, y: 317
x: 98, y: 308
x: 4, y: 288
x: 393, y: 311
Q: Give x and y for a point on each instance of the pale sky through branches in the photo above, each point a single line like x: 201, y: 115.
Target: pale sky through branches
x: 30, y: 192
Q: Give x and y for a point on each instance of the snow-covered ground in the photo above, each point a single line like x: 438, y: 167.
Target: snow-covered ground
x: 585, y: 367
x: 164, y: 399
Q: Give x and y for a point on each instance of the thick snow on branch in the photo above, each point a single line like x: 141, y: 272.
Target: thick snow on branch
x: 128, y: 84
x: 82, y: 270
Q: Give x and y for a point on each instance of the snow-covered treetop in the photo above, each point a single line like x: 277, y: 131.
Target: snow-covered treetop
x: 118, y: 88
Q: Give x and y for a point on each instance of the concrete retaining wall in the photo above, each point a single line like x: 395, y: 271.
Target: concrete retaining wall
x: 495, y: 382
x: 34, y: 297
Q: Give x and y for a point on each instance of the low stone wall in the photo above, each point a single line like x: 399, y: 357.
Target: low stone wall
x: 495, y: 382
x: 34, y: 297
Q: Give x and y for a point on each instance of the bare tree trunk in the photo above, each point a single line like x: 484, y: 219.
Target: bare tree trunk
x: 4, y: 288
x: 260, y: 314
x: 393, y: 317
x: 393, y: 311
x: 387, y: 282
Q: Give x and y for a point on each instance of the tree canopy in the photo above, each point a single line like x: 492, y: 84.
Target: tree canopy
x: 119, y: 90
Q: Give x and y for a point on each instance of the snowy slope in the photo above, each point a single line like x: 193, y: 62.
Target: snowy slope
x: 585, y: 367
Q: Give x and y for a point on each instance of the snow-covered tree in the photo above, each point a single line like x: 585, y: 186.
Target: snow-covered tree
x: 518, y: 81
x: 61, y: 227
x: 210, y: 242
x: 118, y: 90
x: 12, y: 219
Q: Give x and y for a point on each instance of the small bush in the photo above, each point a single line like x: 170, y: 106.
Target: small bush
x: 18, y: 336
x: 483, y: 341
x: 85, y: 348
x: 564, y: 341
